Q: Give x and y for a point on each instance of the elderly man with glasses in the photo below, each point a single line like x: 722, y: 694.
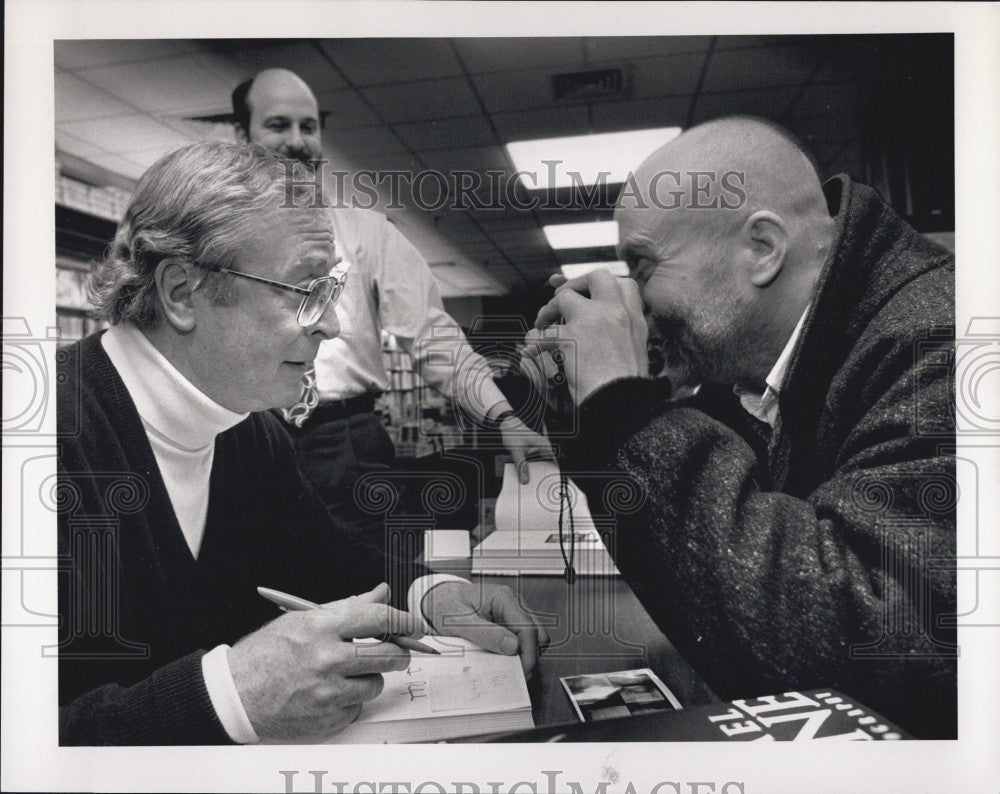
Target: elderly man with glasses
x: 178, y: 492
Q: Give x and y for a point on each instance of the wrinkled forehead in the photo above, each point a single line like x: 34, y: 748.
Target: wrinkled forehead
x: 310, y: 226
x: 293, y: 235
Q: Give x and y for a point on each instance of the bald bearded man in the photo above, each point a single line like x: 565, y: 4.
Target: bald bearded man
x: 794, y: 522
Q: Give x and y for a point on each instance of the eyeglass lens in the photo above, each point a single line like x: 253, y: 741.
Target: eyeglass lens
x: 315, y: 303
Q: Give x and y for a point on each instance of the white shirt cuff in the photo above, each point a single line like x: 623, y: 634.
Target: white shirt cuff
x: 225, y: 699
x: 420, y: 588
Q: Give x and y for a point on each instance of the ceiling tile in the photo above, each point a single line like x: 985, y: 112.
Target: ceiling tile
x: 118, y: 165
x: 146, y: 157
x: 521, y: 89
x: 368, y: 62
x: 74, y: 146
x: 552, y: 123
x: 830, y: 98
x: 126, y: 134
x: 741, y: 42
x: 607, y: 48
x: 424, y: 101
x: 475, y: 158
x: 455, y: 225
x: 671, y: 74
x: 86, y: 53
x: 768, y: 103
x: 824, y: 128
x: 344, y: 110
x: 167, y: 86
x: 201, y: 130
x: 76, y: 100
x: 640, y: 114
x: 361, y: 142
x: 484, y: 54
x: 759, y: 68
x: 300, y: 56
x: 447, y: 134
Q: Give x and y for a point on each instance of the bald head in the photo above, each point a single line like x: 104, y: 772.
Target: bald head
x: 278, y: 109
x: 726, y: 230
x: 724, y: 171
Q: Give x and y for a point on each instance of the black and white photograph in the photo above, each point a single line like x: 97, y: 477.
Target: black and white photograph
x: 624, y: 693
x: 311, y: 286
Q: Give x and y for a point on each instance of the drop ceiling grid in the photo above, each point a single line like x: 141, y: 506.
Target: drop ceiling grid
x: 449, y: 104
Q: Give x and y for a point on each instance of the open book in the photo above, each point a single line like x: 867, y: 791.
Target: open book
x: 526, y: 539
x: 464, y: 691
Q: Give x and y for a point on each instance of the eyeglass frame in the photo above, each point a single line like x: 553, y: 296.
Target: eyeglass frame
x: 339, y: 282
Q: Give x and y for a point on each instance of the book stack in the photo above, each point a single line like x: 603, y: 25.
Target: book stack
x: 462, y: 692
x: 528, y: 540
x: 537, y: 552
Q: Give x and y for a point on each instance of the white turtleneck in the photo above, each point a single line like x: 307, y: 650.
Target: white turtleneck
x: 181, y: 423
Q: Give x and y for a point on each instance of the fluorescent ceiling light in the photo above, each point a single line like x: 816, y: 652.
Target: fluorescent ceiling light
x: 586, y: 156
x: 578, y: 269
x: 582, y: 235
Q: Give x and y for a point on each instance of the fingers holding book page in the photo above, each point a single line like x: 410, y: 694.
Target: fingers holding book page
x: 301, y: 675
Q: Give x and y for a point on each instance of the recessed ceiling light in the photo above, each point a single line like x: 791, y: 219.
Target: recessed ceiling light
x: 596, y: 234
x: 581, y: 159
x: 616, y: 268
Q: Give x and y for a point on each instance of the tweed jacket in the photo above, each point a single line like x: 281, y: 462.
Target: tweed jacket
x: 821, y: 554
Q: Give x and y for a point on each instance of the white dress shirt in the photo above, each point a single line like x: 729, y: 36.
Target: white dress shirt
x: 390, y: 287
x: 765, y: 406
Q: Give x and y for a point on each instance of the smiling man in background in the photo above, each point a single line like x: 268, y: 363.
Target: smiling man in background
x: 390, y: 288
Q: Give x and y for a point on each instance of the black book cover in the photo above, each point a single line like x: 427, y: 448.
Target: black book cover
x: 792, y: 716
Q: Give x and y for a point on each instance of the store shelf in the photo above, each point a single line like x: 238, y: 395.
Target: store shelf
x: 81, y: 234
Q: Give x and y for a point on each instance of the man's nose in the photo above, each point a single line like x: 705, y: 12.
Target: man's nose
x: 294, y: 141
x: 327, y: 326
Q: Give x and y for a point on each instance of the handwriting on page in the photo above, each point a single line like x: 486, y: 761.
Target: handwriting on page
x: 468, y: 690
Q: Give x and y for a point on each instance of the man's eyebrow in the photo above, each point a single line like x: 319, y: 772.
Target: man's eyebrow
x: 286, y: 117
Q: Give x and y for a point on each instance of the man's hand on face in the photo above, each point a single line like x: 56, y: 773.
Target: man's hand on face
x: 602, y: 337
x: 487, y: 615
x: 300, y: 676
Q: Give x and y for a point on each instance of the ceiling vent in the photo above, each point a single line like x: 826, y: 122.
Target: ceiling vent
x: 598, y: 85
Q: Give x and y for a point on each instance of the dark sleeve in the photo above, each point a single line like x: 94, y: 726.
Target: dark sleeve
x: 765, y: 592
x: 170, y: 707
x: 321, y: 558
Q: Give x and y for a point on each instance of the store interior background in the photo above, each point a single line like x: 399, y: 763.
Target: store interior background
x: 879, y: 108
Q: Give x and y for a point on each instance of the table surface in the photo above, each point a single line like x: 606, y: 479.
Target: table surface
x: 596, y: 625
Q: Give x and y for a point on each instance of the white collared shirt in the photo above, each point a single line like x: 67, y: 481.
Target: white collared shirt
x: 765, y: 406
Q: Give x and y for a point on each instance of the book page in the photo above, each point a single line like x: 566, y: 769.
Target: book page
x: 464, y: 679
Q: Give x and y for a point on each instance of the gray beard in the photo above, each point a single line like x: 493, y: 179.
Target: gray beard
x: 685, y: 358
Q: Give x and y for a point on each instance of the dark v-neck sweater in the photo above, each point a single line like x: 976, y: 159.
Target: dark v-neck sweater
x: 137, y: 610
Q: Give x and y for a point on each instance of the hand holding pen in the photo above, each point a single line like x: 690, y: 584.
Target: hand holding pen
x: 291, y: 603
x: 302, y: 677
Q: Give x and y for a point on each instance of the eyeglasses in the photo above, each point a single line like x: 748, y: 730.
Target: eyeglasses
x: 320, y: 293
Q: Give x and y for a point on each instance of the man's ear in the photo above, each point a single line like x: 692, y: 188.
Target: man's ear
x: 768, y: 240
x: 176, y: 282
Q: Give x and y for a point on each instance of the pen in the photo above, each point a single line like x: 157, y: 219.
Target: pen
x: 291, y: 603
